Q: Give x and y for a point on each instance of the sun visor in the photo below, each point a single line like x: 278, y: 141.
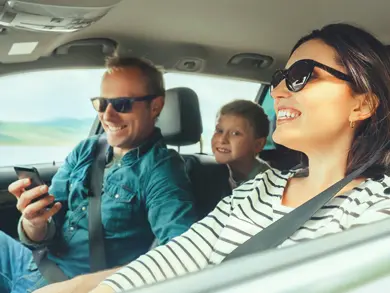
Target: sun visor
x: 50, y: 16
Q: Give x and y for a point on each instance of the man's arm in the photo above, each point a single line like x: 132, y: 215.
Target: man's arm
x: 35, y: 236
x: 169, y: 199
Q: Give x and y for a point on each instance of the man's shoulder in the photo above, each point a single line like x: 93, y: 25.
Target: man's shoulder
x: 87, y: 144
x: 84, y: 149
x: 160, y: 154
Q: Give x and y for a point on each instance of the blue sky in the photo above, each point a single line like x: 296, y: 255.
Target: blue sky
x: 46, y: 95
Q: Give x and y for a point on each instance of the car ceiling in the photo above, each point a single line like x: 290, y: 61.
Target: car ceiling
x: 209, y: 30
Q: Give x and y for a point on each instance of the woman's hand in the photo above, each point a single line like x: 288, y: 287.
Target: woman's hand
x: 70, y: 286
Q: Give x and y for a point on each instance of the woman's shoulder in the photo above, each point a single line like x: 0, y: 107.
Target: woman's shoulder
x: 370, y: 202
x: 269, y: 176
x: 272, y: 181
x: 379, y: 185
x: 371, y: 195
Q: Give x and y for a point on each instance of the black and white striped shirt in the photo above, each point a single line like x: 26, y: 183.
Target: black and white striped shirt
x: 252, y: 207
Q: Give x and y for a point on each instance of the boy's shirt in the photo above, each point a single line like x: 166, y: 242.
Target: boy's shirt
x: 259, y: 167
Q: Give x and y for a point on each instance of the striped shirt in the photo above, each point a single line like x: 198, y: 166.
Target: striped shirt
x: 252, y: 207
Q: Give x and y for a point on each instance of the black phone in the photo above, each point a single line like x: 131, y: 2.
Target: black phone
x: 36, y: 180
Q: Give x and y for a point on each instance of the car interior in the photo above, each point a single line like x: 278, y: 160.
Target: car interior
x: 244, y: 40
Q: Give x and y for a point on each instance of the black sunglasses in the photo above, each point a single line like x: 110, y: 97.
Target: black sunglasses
x: 298, y: 75
x: 120, y: 105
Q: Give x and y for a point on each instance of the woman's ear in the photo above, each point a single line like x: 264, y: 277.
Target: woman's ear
x: 364, y: 107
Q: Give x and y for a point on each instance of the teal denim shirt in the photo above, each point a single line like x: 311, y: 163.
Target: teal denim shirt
x: 146, y: 195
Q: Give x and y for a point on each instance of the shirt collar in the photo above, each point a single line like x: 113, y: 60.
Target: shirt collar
x: 138, y: 152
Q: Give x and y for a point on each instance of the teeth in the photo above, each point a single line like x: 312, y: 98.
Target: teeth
x: 222, y: 150
x: 112, y: 128
x: 287, y: 114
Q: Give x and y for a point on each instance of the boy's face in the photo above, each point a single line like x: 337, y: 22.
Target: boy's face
x: 234, y: 140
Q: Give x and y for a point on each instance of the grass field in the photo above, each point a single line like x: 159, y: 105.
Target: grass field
x: 48, y: 133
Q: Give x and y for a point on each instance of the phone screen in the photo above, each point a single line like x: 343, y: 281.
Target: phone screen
x: 36, y: 180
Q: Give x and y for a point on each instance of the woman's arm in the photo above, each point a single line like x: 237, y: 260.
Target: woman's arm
x: 187, y: 253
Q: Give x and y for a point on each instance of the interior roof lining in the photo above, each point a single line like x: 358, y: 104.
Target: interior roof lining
x: 202, y: 29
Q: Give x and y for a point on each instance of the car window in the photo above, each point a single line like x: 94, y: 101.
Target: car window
x: 45, y: 114
x: 268, y: 106
x: 213, y: 93
x: 43, y: 120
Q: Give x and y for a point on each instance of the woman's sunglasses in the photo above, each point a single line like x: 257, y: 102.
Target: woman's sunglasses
x: 298, y: 75
x: 120, y: 105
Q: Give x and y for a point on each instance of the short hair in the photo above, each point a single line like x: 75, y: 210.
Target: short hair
x: 250, y: 111
x: 154, y: 81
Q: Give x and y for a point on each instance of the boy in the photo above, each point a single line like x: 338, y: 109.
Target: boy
x: 240, y: 134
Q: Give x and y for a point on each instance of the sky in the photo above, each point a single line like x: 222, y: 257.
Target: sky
x: 47, y: 95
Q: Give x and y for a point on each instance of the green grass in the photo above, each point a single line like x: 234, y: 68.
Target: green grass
x: 45, y: 133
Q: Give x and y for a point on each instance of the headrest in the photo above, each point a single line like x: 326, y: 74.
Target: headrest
x: 180, y: 120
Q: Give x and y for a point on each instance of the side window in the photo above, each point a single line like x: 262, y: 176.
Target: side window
x: 45, y: 114
x: 268, y: 106
x: 213, y: 93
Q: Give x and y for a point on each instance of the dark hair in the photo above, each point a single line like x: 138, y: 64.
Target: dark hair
x: 250, y: 111
x: 367, y: 61
x: 154, y: 81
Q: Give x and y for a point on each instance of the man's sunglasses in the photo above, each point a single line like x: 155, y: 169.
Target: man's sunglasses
x: 120, y: 105
x: 298, y: 75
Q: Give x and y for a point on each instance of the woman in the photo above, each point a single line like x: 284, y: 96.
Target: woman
x: 333, y: 107
x: 241, y: 132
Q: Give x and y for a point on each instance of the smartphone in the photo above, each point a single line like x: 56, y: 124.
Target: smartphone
x: 36, y: 180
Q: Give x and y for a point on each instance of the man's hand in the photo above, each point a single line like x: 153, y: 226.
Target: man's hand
x: 36, y: 214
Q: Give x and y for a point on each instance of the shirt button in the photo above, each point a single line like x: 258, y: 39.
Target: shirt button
x: 387, y: 190
x: 83, y: 208
x: 71, y: 185
x: 71, y: 228
x: 117, y: 196
x: 119, y: 165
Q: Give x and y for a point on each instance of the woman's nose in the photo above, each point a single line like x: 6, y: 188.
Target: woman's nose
x: 280, y: 91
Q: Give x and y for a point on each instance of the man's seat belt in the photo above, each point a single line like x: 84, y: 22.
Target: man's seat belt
x: 279, y: 231
x: 97, y: 256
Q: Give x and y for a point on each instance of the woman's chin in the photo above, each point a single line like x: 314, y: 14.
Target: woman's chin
x: 285, y: 138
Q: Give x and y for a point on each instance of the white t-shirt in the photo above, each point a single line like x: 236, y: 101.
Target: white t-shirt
x: 252, y: 207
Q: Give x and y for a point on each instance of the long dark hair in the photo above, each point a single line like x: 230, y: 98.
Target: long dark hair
x: 367, y: 61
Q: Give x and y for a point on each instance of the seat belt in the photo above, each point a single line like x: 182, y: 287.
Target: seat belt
x: 97, y: 255
x: 48, y: 268
x: 279, y: 231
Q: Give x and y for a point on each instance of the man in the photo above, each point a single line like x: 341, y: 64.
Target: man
x: 146, y: 191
